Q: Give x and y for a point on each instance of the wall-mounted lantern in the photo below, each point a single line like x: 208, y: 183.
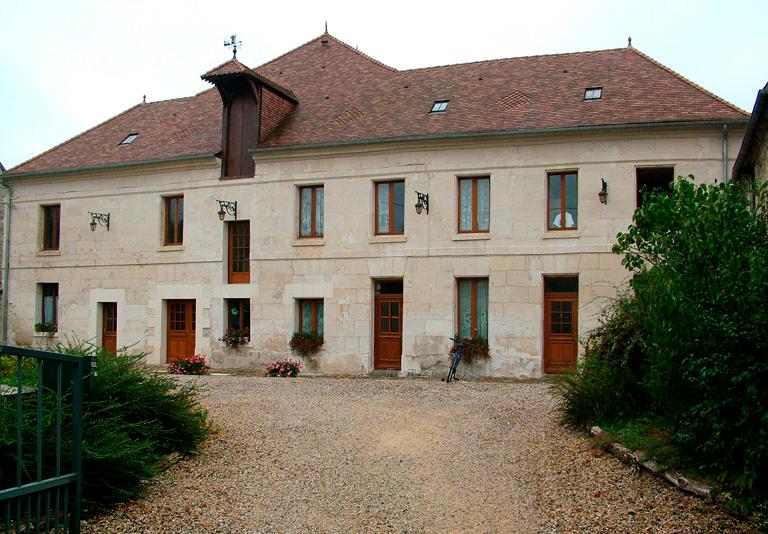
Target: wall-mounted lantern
x: 603, y: 194
x: 227, y: 208
x: 422, y: 202
x: 99, y: 218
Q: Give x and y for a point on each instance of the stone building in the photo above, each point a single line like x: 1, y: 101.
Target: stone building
x: 389, y: 210
x: 752, y: 160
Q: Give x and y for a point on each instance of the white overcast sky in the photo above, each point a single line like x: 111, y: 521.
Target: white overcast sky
x: 66, y: 65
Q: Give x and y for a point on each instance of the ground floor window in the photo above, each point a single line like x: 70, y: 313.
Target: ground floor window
x: 239, y: 315
x: 49, y: 315
x: 473, y: 307
x: 311, y: 315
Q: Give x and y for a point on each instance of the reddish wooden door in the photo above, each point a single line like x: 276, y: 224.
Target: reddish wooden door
x: 109, y: 326
x: 560, y: 331
x: 388, y: 342
x: 181, y: 329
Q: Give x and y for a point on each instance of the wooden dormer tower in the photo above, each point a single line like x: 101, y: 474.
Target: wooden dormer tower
x: 253, y: 107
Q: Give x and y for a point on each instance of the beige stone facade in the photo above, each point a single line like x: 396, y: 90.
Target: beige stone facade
x: 130, y: 266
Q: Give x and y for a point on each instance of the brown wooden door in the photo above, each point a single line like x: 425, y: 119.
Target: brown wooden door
x: 109, y: 326
x: 388, y: 344
x: 560, y: 331
x: 181, y: 329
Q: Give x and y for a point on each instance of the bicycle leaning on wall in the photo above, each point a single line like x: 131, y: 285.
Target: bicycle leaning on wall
x: 457, y: 348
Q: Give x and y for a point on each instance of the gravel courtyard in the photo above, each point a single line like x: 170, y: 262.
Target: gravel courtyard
x: 364, y: 455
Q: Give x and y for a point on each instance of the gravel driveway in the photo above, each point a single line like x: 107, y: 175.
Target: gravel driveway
x: 363, y: 455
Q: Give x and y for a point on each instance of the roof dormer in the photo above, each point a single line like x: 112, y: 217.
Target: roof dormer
x: 253, y: 107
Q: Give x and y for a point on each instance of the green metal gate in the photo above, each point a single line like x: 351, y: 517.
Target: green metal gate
x: 41, y: 408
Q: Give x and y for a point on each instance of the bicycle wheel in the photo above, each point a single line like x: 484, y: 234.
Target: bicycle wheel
x: 452, y: 370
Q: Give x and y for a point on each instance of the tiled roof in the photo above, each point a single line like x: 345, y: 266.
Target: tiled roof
x: 345, y: 96
x: 168, y: 129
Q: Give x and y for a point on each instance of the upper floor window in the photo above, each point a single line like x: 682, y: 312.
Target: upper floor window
x: 174, y: 220
x: 311, y: 211
x: 473, y: 307
x: 239, y: 252
x: 474, y: 204
x: 390, y: 207
x: 49, y: 305
x: 439, y: 106
x: 311, y: 315
x: 653, y: 180
x: 51, y: 219
x: 562, y: 199
x: 593, y: 93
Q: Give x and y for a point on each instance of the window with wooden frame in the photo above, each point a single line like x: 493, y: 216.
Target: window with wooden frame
x: 651, y: 180
x: 174, y: 220
x: 311, y: 203
x: 474, y: 204
x: 311, y: 315
x: 49, y: 304
x: 239, y: 252
x: 472, y: 307
x: 390, y: 207
x: 51, y: 231
x: 562, y: 198
x: 239, y: 315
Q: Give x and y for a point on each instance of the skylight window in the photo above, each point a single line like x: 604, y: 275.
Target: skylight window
x: 130, y: 139
x: 439, y: 106
x: 593, y: 93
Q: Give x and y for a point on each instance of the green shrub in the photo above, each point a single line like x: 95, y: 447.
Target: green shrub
x: 607, y: 385
x: 133, y: 417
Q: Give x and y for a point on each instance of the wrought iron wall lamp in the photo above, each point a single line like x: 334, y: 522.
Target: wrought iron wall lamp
x: 422, y: 202
x: 226, y: 207
x: 603, y: 194
x: 100, y: 218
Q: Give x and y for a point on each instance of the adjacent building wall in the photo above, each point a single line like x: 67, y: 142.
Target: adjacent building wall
x: 129, y: 265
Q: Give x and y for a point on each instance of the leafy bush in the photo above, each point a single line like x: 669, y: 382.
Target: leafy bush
x: 306, y: 343
x: 689, y: 349
x: 192, y: 365
x: 283, y: 368
x: 473, y: 349
x: 133, y: 417
x: 234, y: 338
x: 607, y: 385
x: 48, y: 328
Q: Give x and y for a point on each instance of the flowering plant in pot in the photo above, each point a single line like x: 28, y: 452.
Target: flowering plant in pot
x: 473, y: 349
x: 234, y: 338
x: 191, y: 365
x: 283, y: 368
x: 306, y: 343
x: 45, y: 328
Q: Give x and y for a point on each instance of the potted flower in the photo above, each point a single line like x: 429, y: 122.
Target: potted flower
x: 234, y: 338
x: 190, y: 365
x: 283, y: 368
x: 473, y: 349
x: 46, y: 328
x: 306, y: 344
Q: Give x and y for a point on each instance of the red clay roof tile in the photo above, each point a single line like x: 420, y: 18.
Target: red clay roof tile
x: 345, y: 96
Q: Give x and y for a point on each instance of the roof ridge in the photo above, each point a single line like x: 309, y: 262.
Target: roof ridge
x: 689, y: 82
x: 366, y: 56
x: 81, y: 134
x: 513, y: 57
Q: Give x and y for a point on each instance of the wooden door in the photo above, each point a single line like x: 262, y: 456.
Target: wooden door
x: 181, y: 329
x: 109, y: 327
x: 560, y: 331
x: 388, y: 328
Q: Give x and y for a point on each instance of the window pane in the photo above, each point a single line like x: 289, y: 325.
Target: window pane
x: 399, y: 207
x: 483, y: 204
x: 465, y: 209
x: 320, y: 320
x: 245, y: 315
x: 382, y: 209
x: 394, y: 325
x: 465, y: 308
x: 320, y: 201
x: 306, y: 316
x: 384, y: 326
x: 180, y: 216
x: 171, y: 217
x: 482, y: 308
x: 48, y: 308
x: 305, y: 226
x: 234, y: 315
x: 571, y: 200
x: 554, y: 201
x: 561, y: 284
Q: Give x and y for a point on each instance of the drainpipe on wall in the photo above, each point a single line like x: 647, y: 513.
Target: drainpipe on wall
x: 725, y: 153
x: 6, y: 256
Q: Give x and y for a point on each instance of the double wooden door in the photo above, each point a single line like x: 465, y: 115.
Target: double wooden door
x: 181, y: 329
x: 109, y: 326
x: 560, y: 331
x: 388, y: 330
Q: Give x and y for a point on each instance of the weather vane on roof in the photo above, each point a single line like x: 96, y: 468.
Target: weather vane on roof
x: 234, y: 43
